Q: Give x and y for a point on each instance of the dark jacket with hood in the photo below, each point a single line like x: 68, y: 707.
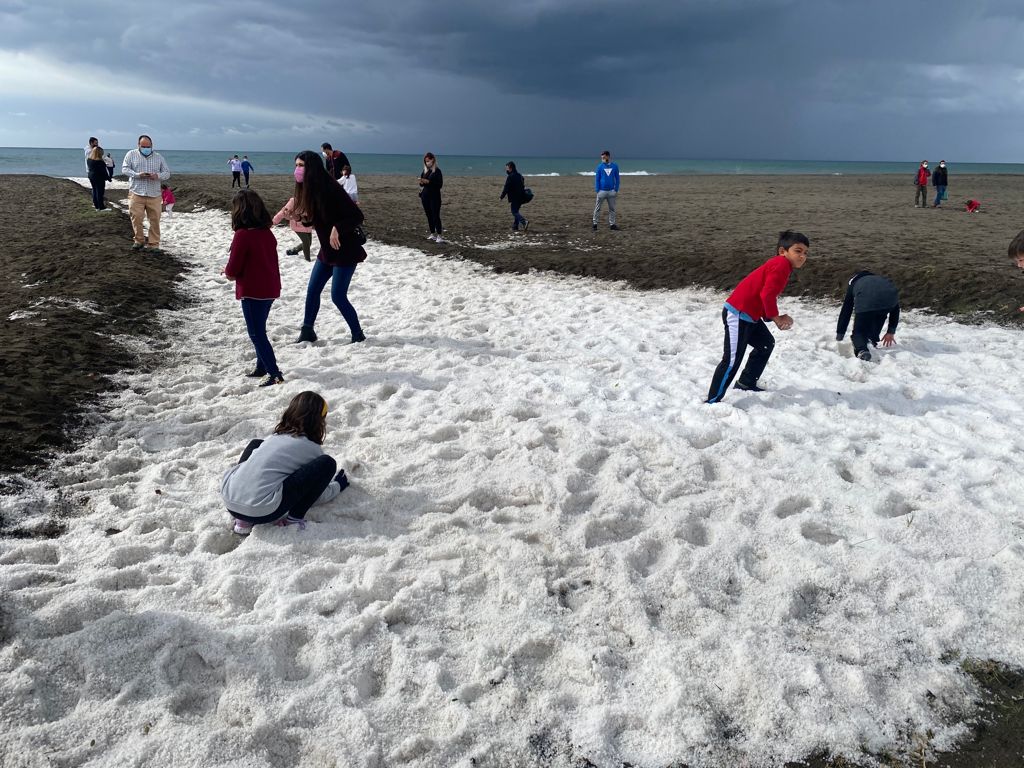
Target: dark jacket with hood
x: 515, y: 189
x: 868, y: 292
x: 940, y: 178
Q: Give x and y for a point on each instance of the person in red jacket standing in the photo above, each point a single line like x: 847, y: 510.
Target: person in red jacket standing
x: 921, y: 185
x: 745, y: 311
x: 253, y: 267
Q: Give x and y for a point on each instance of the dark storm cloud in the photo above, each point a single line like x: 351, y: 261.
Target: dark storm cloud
x: 793, y: 75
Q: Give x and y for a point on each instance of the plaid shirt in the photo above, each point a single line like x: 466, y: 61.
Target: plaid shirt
x: 134, y: 164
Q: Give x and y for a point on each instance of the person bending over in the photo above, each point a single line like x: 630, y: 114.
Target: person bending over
x: 278, y: 479
x: 870, y: 298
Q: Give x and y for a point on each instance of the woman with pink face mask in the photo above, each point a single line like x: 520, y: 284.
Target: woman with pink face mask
x: 328, y: 209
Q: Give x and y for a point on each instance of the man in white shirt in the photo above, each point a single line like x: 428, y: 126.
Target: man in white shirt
x: 145, y: 170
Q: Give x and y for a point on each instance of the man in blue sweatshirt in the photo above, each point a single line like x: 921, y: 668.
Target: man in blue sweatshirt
x: 606, y: 184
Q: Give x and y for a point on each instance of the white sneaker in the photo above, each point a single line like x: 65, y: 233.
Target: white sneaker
x: 438, y: 239
x: 431, y: 236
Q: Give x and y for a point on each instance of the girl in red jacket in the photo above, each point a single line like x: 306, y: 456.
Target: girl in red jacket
x: 745, y: 311
x: 253, y: 267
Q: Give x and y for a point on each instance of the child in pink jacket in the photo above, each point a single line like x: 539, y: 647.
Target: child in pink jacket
x: 166, y: 199
x: 295, y: 222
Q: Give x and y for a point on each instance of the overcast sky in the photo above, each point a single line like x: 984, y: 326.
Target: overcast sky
x: 737, y: 79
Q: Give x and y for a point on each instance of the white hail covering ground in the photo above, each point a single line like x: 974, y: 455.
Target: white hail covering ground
x: 551, y: 550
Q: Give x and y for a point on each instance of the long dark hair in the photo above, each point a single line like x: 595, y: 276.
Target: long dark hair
x: 317, y: 186
x: 305, y: 416
x: 249, y: 212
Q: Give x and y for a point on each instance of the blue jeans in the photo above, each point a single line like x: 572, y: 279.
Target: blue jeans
x: 340, y: 277
x: 517, y: 217
x: 940, y: 192
x: 256, y: 312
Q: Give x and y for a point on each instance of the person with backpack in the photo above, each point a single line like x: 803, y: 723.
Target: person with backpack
x: 334, y: 160
x: 940, y: 180
x: 921, y: 185
x: 515, y: 191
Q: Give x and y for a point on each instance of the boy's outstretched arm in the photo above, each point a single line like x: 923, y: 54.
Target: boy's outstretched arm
x: 890, y: 332
x: 844, y: 314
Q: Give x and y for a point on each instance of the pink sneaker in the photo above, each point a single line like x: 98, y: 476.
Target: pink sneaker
x: 241, y: 528
x: 289, y: 520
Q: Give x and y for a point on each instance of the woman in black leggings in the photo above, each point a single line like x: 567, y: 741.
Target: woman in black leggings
x: 431, y: 182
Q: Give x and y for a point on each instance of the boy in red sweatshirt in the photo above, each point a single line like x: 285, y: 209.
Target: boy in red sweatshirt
x: 744, y: 313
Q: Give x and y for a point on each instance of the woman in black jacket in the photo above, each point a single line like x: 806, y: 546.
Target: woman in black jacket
x: 515, y: 190
x: 97, y: 177
x: 431, y: 182
x: 323, y: 203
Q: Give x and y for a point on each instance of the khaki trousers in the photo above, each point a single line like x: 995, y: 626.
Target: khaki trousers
x: 139, y: 207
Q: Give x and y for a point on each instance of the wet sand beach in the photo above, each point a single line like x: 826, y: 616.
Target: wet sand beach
x: 72, y: 299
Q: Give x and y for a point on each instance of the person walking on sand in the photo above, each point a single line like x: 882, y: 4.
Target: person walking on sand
x: 745, y: 311
x: 236, y: 171
x: 97, y: 177
x: 109, y: 162
x: 515, y: 191
x: 431, y: 181
x: 870, y: 298
x: 921, y: 185
x: 606, y: 185
x: 294, y: 217
x: 337, y: 221
x: 247, y: 168
x: 145, y: 170
x: 940, y: 180
x: 253, y: 266
x: 277, y: 480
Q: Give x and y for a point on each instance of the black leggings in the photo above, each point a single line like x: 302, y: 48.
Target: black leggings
x: 867, y: 327
x: 236, y: 178
x: 300, y: 489
x: 98, y: 190
x: 432, y: 207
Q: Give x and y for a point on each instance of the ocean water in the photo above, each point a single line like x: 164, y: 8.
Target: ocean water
x: 71, y: 162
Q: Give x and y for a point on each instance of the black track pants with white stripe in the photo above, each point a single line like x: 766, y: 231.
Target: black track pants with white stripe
x: 739, y: 334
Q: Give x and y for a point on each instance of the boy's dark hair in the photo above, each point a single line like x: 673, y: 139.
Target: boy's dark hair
x: 305, y: 416
x: 325, y: 145
x: 249, y: 212
x: 1017, y: 245
x: 789, y: 238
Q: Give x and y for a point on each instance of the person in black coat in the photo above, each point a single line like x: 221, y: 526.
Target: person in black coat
x: 325, y: 205
x: 940, y: 180
x: 97, y: 177
x: 515, y: 191
x: 870, y: 298
x: 431, y: 182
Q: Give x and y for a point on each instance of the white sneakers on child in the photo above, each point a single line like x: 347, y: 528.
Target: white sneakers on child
x: 242, y: 528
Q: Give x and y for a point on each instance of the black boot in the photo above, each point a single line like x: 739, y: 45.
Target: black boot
x: 306, y: 333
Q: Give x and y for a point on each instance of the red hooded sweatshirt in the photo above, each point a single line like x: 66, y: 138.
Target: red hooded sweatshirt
x: 922, y: 176
x: 757, y: 292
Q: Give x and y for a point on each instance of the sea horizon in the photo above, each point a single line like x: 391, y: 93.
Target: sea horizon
x: 69, y: 161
